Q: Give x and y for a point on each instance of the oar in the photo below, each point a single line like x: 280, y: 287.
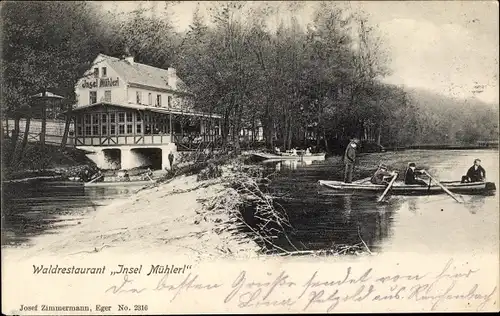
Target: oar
x: 150, y: 178
x: 388, y: 187
x: 96, y: 178
x: 443, y: 187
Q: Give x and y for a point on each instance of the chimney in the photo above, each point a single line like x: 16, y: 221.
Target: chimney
x: 172, y: 78
x: 129, y: 59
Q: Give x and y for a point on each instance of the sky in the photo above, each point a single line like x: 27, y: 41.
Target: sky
x: 446, y: 47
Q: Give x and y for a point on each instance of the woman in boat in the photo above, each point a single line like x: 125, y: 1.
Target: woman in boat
x: 308, y: 151
x: 382, y: 176
x: 476, y: 173
x: 411, y: 175
x: 294, y: 152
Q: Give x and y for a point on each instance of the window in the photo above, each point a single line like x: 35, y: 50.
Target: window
x: 150, y: 99
x: 96, y: 72
x: 104, y: 118
x: 112, y: 129
x: 138, y: 97
x: 92, y: 97
x: 107, y: 96
x: 112, y: 117
x: 121, y: 129
x: 129, y: 117
x: 88, y: 131
x: 104, y: 130
x: 121, y: 117
x: 138, y: 128
x: 158, y: 100
x: 169, y: 101
x: 129, y: 128
x: 104, y: 71
x: 95, y: 129
x: 87, y: 118
x: 79, y: 130
x: 95, y: 119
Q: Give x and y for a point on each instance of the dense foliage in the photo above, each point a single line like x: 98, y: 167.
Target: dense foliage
x: 323, y: 79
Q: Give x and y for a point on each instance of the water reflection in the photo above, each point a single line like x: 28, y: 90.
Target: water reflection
x: 289, y: 164
x: 322, y: 218
x: 338, y: 220
x: 476, y: 203
x: 31, y: 209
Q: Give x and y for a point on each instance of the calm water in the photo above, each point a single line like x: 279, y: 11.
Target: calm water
x: 319, y: 218
x: 402, y: 223
x: 41, y: 207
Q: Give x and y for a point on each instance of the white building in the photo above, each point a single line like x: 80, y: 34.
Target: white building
x: 131, y: 115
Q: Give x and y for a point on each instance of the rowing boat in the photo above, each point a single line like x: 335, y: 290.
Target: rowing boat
x: 320, y: 156
x: 399, y: 188
x: 117, y: 183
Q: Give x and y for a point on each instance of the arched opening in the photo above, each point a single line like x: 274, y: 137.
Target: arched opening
x: 113, y: 159
x: 148, y: 157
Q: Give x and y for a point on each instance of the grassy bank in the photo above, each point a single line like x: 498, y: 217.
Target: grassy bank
x: 38, y: 162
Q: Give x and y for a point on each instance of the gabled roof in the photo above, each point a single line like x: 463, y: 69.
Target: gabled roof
x: 142, y: 74
x: 146, y: 108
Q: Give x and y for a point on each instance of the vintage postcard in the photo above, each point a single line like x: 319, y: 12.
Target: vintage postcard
x: 183, y: 157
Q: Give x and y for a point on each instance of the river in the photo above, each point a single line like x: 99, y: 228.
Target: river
x: 319, y: 219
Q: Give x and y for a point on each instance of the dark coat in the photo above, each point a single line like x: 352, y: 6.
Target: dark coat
x: 378, y: 177
x: 350, y: 154
x: 476, y: 175
x: 411, y: 176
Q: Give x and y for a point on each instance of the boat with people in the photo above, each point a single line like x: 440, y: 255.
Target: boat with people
x: 400, y: 188
x: 122, y: 178
x: 118, y: 183
x: 289, y: 156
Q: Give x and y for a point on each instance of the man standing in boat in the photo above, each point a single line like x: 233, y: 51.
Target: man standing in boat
x: 411, y: 175
x: 350, y: 159
x: 476, y: 173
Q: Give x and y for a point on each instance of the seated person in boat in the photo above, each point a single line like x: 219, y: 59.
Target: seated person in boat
x: 411, y: 175
x: 294, y: 152
x: 123, y: 176
x: 382, y: 175
x: 277, y: 151
x: 476, y: 173
x: 308, y: 151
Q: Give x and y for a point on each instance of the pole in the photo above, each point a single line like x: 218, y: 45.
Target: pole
x: 388, y: 187
x: 443, y: 187
x: 170, y: 127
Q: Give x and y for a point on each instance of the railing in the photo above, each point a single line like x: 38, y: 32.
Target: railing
x: 49, y: 139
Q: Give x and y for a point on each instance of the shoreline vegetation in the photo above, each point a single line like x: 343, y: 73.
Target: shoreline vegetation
x: 214, y: 205
x: 229, y: 213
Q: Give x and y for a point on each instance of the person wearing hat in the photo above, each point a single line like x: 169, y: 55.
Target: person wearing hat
x: 476, y: 173
x: 382, y: 175
x: 411, y: 175
x: 350, y: 159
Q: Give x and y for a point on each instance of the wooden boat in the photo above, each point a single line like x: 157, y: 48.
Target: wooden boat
x: 399, y: 188
x: 117, y: 183
x: 287, y: 156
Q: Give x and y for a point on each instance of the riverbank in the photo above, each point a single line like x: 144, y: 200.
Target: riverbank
x: 172, y: 217
x: 36, y: 163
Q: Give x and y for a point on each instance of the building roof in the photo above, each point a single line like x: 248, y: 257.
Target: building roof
x: 137, y: 73
x: 146, y: 108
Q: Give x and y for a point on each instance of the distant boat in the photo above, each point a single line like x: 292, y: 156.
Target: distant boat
x: 287, y: 156
x: 118, y: 183
x: 399, y: 188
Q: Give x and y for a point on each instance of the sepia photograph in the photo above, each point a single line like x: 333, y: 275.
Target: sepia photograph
x: 188, y: 157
